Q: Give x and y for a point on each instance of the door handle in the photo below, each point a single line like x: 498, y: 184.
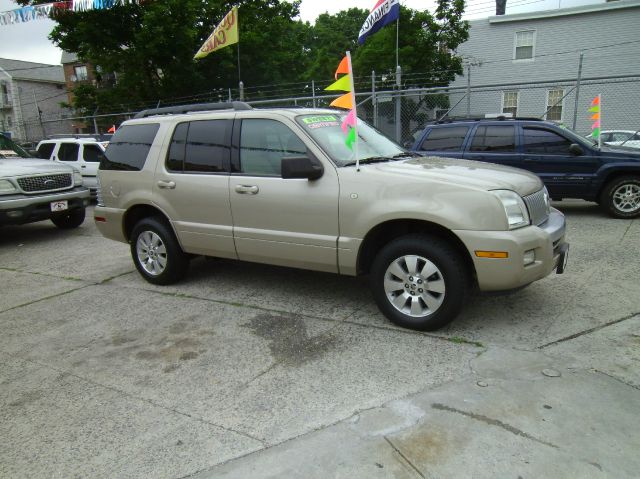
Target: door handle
x: 528, y: 160
x: 247, y: 189
x: 83, y: 166
x: 166, y: 185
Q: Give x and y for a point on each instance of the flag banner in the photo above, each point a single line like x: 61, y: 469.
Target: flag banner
x: 343, y: 84
x: 384, y: 13
x: 595, y: 109
x: 343, y: 67
x: 43, y: 11
x: 225, y: 34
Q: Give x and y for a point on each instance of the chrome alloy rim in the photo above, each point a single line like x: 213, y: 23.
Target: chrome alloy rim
x: 152, y: 254
x: 414, y: 286
x: 626, y: 198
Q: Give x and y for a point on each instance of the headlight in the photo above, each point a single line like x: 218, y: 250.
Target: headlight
x: 77, y: 178
x: 547, y: 201
x: 7, y: 187
x: 514, y: 207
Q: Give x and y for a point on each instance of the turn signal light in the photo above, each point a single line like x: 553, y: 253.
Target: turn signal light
x: 492, y: 254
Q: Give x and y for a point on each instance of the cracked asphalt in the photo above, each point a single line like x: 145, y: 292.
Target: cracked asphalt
x: 247, y: 370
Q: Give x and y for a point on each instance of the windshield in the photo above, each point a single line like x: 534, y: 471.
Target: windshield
x: 8, y: 149
x: 372, y: 145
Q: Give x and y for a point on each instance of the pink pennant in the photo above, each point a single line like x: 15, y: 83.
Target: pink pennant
x: 596, y: 124
x: 349, y: 120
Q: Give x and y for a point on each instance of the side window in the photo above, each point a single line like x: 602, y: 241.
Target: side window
x: 538, y: 141
x: 606, y: 137
x: 68, y: 152
x: 175, y: 158
x: 129, y: 147
x: 494, y: 138
x: 445, y: 139
x: 92, y: 154
x: 263, y: 144
x: 208, y: 147
x: 45, y: 150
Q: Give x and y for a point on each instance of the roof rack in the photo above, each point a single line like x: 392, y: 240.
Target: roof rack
x: 175, y: 110
x: 81, y: 136
x: 483, y: 118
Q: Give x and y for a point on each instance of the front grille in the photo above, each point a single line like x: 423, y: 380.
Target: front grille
x: 538, y: 207
x: 32, y: 184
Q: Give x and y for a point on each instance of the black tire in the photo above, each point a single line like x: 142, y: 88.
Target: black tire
x: 451, y: 272
x: 614, y: 200
x: 70, y: 220
x: 165, y: 263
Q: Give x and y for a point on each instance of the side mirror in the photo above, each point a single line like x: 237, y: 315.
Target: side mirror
x: 576, y: 150
x: 301, y: 167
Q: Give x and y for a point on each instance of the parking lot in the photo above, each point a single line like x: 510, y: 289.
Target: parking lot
x: 105, y: 375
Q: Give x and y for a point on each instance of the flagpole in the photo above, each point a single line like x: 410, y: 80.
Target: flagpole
x: 397, y: 41
x: 239, y: 77
x: 355, y: 113
x: 600, y: 135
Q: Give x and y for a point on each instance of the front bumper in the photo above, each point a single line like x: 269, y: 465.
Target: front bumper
x: 496, y: 274
x: 21, y: 209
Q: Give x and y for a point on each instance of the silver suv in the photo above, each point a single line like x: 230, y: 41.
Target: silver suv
x: 35, y: 190
x: 279, y: 186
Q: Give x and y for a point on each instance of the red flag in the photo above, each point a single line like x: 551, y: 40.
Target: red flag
x: 112, y: 129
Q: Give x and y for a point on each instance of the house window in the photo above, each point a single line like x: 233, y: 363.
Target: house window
x: 81, y: 73
x: 510, y: 102
x: 524, y: 45
x: 9, y: 122
x: 554, y: 104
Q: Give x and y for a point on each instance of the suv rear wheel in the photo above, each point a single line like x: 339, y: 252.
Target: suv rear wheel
x: 621, y: 197
x: 156, y: 252
x: 72, y: 219
x: 419, y: 282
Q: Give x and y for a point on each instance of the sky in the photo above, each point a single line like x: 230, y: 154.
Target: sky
x: 28, y: 41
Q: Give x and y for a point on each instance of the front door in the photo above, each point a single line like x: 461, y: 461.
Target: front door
x: 547, y: 153
x: 494, y: 144
x: 290, y: 222
x: 191, y: 186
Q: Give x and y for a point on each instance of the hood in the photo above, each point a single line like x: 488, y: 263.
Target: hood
x: 28, y: 167
x: 472, y: 174
x: 620, y: 152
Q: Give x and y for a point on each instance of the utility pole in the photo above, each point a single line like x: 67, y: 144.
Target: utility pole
x: 469, y: 90
x: 35, y: 100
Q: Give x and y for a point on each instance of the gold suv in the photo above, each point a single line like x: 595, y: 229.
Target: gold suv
x: 279, y: 186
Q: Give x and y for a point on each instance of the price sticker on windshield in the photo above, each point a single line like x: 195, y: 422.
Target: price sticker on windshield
x: 59, y: 205
x: 322, y: 121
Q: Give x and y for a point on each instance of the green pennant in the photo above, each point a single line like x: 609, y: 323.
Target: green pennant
x: 351, y: 138
x: 594, y: 109
x: 595, y: 133
x: 343, y: 84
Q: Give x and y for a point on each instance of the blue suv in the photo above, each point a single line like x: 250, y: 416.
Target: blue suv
x: 570, y: 166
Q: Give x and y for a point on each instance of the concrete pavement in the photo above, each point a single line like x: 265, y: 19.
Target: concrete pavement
x: 105, y: 375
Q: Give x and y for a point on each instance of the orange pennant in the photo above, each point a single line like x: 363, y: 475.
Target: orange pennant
x: 343, y: 67
x: 596, y: 100
x: 595, y: 116
x: 344, y: 101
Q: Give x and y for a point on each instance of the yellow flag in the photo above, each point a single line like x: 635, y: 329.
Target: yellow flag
x: 225, y: 34
x: 343, y: 84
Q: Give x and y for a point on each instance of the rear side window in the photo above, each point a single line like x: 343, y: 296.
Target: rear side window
x: 200, y: 147
x: 68, y: 152
x: 494, y: 138
x: 129, y: 147
x: 445, y: 139
x: 45, y: 150
x: 92, y: 154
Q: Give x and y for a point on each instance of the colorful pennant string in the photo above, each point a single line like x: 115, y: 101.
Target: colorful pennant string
x: 346, y: 101
x: 44, y: 10
x: 595, y: 109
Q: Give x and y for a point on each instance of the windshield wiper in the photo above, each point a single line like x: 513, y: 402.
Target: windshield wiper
x: 407, y: 154
x: 372, y: 159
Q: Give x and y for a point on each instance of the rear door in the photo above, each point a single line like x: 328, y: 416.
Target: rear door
x: 192, y: 186
x: 546, y: 153
x: 444, y: 140
x: 494, y: 143
x: 289, y: 222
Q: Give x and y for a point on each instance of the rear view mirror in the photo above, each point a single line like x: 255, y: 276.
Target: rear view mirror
x: 301, y: 167
x: 576, y: 149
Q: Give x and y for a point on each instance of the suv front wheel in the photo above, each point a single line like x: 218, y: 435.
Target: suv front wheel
x: 156, y: 252
x: 621, y: 197
x: 419, y: 282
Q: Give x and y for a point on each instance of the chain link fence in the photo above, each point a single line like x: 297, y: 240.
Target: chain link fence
x: 401, y: 114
